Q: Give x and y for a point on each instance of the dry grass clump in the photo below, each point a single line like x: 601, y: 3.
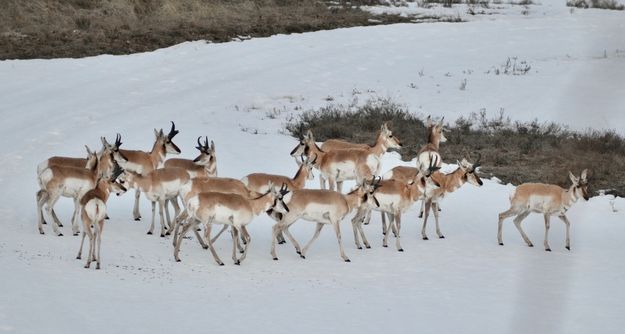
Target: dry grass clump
x: 513, y: 151
x: 75, y: 28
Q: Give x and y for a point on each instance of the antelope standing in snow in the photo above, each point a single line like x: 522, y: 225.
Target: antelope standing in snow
x: 209, y: 184
x: 325, y: 207
x: 73, y: 182
x: 347, y: 161
x: 143, y: 163
x: 228, y: 209
x: 393, y: 197
x: 547, y: 199
x: 87, y: 162
x: 204, y: 165
x: 93, y: 211
x: 159, y: 186
x: 429, y: 151
x: 466, y: 172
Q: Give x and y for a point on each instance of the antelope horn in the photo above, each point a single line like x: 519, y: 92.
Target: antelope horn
x: 205, y: 143
x: 118, y: 140
x: 173, y: 132
x: 199, y: 144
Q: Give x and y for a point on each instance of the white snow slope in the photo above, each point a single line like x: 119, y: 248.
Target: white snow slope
x: 240, y: 94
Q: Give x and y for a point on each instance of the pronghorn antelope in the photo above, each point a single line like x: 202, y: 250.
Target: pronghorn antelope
x: 73, y: 182
x: 93, y: 205
x: 466, y: 172
x: 159, y: 186
x: 340, y: 165
x: 204, y: 165
x: 325, y: 207
x: 87, y: 162
x: 429, y: 151
x: 143, y: 163
x: 393, y: 197
x: 344, y: 160
x: 547, y: 199
x: 209, y: 184
x: 228, y: 209
x: 259, y: 182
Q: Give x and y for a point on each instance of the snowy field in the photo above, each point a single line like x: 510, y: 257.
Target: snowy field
x: 240, y: 95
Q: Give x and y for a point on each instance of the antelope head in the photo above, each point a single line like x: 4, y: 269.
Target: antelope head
x: 280, y: 198
x: 435, y: 130
x: 308, y: 165
x: 300, y: 148
x: 92, y: 158
x: 114, y: 184
x: 470, y: 172
x: 387, y: 135
x: 580, y: 185
x: 113, y: 150
x: 207, y: 153
x: 166, y: 140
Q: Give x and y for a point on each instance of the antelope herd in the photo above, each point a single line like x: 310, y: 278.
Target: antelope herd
x: 208, y: 199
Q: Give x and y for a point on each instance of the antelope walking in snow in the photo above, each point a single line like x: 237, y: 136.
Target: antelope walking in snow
x: 547, y: 199
x: 228, y: 209
x: 204, y: 165
x: 466, y: 172
x: 430, y: 150
x: 159, y: 186
x: 325, y: 207
x: 73, y: 182
x: 93, y: 205
x: 393, y: 197
x: 340, y: 160
x: 143, y: 163
x: 209, y: 184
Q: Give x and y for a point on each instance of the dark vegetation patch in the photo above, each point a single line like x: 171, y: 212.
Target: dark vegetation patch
x: 78, y: 28
x: 515, y: 152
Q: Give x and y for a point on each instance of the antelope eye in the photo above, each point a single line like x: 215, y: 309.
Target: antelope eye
x: 391, y: 136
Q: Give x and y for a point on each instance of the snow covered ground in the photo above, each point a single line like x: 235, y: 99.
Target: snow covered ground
x: 240, y: 94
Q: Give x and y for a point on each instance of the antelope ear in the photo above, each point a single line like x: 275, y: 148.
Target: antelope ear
x: 460, y: 165
x: 88, y: 150
x: 428, y: 121
x: 440, y: 124
x: 584, y: 174
x: 156, y: 133
x: 104, y: 142
x: 212, y: 146
x: 573, y: 178
x: 309, y: 135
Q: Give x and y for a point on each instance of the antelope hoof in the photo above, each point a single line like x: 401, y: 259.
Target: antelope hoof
x: 275, y: 259
x: 220, y: 263
x: 178, y: 260
x: 76, y: 234
x: 425, y: 238
x: 149, y: 232
x: 205, y: 247
x: 548, y: 249
x: 138, y: 219
x: 41, y: 232
x: 401, y: 249
x: 107, y: 217
x: 442, y: 237
x: 530, y: 245
x: 78, y: 257
x: 60, y: 234
x: 348, y: 260
x: 384, y: 246
x: 302, y: 256
x: 298, y: 252
x: 421, y: 215
x: 44, y: 222
x: 368, y: 246
x: 86, y: 266
x: 97, y: 267
x: 162, y: 235
x: 568, y: 248
x: 60, y: 225
x: 282, y: 242
x: 241, y: 251
x: 359, y: 247
x: 238, y: 263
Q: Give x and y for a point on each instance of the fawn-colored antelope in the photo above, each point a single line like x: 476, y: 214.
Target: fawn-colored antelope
x: 228, y: 209
x: 73, y: 182
x: 547, y: 199
x: 393, y: 197
x: 159, y: 186
x: 340, y: 160
x: 448, y: 183
x: 93, y: 211
x: 325, y: 207
x: 143, y: 163
x: 204, y: 165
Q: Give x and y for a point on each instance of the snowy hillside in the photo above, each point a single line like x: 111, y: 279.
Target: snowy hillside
x: 240, y: 94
